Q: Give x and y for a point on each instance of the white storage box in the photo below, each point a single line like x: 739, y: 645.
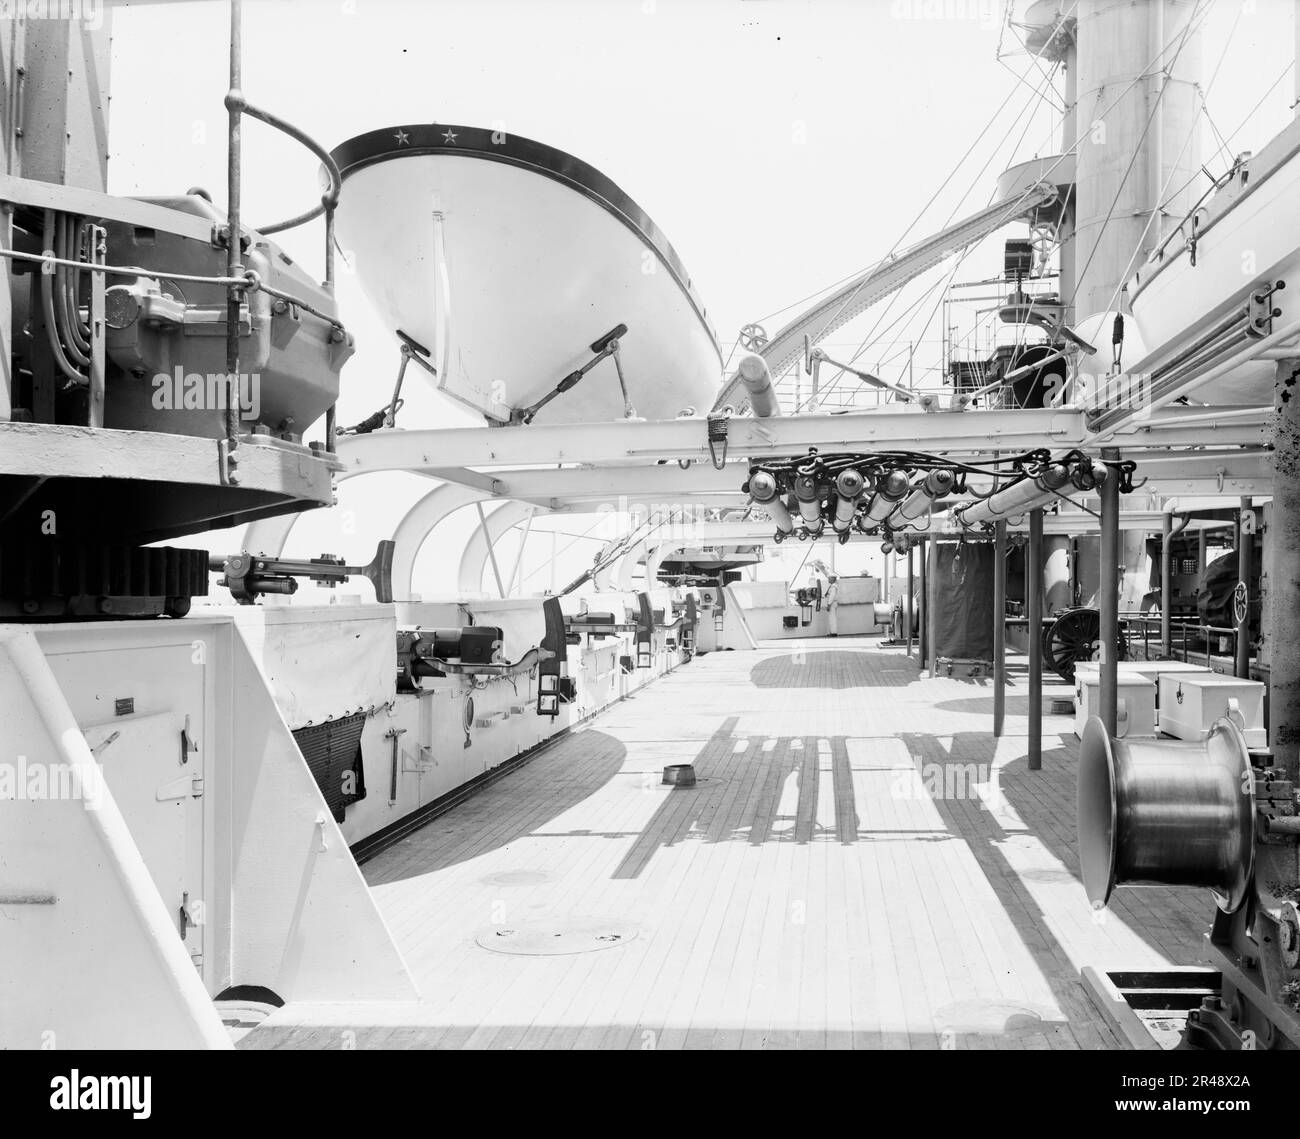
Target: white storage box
x: 1137, y: 703
x: 1153, y: 670
x: 1189, y: 705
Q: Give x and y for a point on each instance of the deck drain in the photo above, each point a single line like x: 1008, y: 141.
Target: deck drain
x: 518, y: 878
x: 997, y: 1017
x: 547, y: 938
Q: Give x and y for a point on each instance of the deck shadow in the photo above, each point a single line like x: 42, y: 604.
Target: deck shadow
x: 834, y: 669
x: 479, y: 820
x: 1043, y: 801
x: 983, y: 705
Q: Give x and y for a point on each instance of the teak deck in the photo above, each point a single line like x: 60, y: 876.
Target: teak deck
x: 862, y: 865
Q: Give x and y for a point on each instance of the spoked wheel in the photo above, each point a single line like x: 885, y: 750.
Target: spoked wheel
x: 1073, y: 637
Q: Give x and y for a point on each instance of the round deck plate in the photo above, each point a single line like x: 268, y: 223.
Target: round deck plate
x: 992, y: 1016
x: 552, y: 938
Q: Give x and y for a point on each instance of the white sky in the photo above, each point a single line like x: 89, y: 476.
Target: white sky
x: 780, y: 145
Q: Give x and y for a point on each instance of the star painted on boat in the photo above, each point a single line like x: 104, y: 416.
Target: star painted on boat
x: 449, y: 135
x: 402, y: 137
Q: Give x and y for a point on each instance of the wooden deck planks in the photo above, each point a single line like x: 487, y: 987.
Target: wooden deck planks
x: 828, y: 884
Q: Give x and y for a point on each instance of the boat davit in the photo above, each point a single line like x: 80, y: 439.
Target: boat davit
x: 515, y: 266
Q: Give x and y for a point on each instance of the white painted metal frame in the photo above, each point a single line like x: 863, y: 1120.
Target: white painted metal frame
x: 473, y: 560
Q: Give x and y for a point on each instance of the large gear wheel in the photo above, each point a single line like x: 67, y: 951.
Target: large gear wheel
x: 49, y: 579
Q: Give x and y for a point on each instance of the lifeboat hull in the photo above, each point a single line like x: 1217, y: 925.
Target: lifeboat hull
x: 1247, y: 235
x: 507, y: 260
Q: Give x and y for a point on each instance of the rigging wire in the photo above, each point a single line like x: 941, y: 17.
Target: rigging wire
x: 586, y: 536
x: 1236, y: 131
x: 933, y: 197
x: 1147, y: 72
x: 1030, y: 108
x: 1128, y: 170
x: 1191, y: 134
x: 871, y: 335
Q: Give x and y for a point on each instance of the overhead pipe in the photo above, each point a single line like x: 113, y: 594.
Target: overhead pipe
x: 1026, y: 494
x: 850, y: 485
x: 890, y: 491
x: 766, y: 492
x: 925, y: 489
x: 757, y: 378
x: 809, y: 500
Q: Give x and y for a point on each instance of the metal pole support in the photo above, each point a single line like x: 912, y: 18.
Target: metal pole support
x: 1034, y: 598
x: 999, y: 625
x: 234, y: 266
x: 1245, y: 571
x: 1166, y: 585
x: 1108, y: 595
x: 909, y: 609
x: 1284, y: 572
x: 923, y: 611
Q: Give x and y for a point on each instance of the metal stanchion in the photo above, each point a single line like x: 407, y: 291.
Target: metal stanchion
x: 1034, y: 598
x: 909, y: 607
x: 1108, y: 595
x: 1245, y: 571
x: 999, y: 625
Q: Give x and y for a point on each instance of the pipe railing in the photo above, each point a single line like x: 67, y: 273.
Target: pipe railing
x: 237, y: 106
x: 1184, y: 627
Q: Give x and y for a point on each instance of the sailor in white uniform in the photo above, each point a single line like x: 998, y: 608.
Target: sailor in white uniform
x: 832, y: 600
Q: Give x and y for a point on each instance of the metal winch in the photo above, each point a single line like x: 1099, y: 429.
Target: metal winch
x: 1209, y: 813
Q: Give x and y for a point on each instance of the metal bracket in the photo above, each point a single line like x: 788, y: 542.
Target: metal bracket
x: 188, y: 745
x: 228, y: 462
x: 607, y: 345
x: 221, y: 238
x: 394, y: 734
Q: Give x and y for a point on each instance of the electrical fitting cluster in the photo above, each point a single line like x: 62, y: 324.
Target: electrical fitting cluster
x: 893, y: 494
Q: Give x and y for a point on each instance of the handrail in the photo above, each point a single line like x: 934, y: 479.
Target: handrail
x: 1184, y: 625
x: 238, y: 106
x: 329, y: 200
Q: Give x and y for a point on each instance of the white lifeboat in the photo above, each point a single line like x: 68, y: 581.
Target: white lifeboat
x: 513, y: 265
x: 1240, y: 243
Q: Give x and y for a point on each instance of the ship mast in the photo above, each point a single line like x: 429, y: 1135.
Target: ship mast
x: 1132, y: 100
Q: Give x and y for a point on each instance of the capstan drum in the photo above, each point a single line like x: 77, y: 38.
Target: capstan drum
x: 1166, y: 812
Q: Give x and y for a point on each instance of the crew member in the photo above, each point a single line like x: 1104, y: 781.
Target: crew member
x: 833, y: 606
